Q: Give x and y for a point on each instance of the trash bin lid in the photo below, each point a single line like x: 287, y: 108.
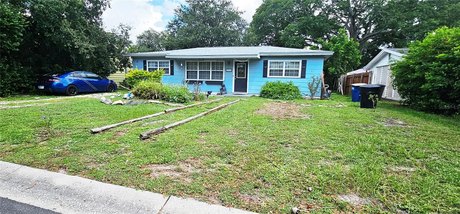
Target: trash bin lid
x: 358, y: 84
x: 370, y: 86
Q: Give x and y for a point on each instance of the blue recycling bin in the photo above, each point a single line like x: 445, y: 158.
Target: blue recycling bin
x: 355, y: 92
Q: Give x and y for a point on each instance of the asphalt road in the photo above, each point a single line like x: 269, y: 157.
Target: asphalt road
x: 8, y: 206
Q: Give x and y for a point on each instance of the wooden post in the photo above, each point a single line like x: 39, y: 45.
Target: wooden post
x: 167, y: 111
x: 147, y: 134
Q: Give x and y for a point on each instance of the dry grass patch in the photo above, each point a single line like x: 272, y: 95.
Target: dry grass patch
x: 391, y: 122
x: 283, y: 110
x: 181, y: 172
x: 354, y: 200
x: 252, y: 198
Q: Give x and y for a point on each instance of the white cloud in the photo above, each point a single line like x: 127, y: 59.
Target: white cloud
x: 248, y: 7
x: 142, y: 15
x: 139, y: 14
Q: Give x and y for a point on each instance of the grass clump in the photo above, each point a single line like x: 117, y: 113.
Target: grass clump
x: 280, y: 90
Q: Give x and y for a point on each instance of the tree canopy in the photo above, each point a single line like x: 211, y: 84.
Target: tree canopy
x: 49, y: 36
x: 150, y: 40
x: 373, y: 23
x: 205, y: 23
x: 346, y: 57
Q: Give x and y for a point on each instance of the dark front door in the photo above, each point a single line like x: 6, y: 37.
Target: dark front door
x: 241, y: 77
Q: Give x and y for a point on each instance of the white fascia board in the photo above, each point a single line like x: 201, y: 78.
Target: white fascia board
x: 212, y: 56
x: 375, y: 60
x: 393, y: 52
x: 325, y: 53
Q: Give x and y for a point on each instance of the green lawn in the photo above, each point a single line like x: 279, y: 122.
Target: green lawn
x: 251, y: 156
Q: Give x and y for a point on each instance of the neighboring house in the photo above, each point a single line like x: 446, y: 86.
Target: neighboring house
x: 380, y: 66
x: 380, y: 69
x: 241, y: 69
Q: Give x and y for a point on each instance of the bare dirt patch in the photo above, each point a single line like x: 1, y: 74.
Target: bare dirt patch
x: 233, y: 132
x: 354, y: 200
x: 202, y: 137
x: 252, y: 198
x: 62, y: 171
x: 391, y: 122
x: 283, y: 110
x: 121, y: 133
x: 181, y: 172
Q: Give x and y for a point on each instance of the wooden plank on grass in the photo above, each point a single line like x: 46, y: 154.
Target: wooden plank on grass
x: 149, y: 133
x: 167, y: 111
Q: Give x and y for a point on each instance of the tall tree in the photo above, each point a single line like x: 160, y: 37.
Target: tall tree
x: 12, y: 25
x: 347, y: 57
x: 372, y: 23
x: 68, y: 35
x: 270, y: 19
x: 205, y: 23
x: 150, y: 40
x: 43, y: 36
x: 411, y: 20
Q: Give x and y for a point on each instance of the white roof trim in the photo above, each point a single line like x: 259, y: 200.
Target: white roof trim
x: 212, y: 56
x: 254, y: 52
x: 325, y: 53
x: 379, y: 56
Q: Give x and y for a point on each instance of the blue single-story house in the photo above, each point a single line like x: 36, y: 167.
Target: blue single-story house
x: 243, y: 70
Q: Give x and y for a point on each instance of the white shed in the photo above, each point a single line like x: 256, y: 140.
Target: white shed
x: 380, y: 66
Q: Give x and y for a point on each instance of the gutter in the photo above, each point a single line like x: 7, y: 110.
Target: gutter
x: 212, y: 56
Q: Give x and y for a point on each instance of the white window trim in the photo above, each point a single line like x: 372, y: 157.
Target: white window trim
x: 210, y: 71
x: 284, y: 68
x: 158, y: 62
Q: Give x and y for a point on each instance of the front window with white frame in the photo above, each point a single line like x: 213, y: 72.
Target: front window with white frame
x: 204, y: 70
x: 153, y: 65
x: 289, y: 69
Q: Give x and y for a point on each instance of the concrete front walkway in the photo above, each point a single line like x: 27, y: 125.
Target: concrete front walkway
x: 70, y: 194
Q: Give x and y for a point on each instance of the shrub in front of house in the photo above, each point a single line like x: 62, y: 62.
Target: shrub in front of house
x: 428, y: 78
x: 148, y: 89
x: 135, y: 76
x: 280, y: 90
x: 176, y: 94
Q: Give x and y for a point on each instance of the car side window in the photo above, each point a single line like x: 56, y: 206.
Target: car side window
x: 77, y: 74
x: 92, y: 75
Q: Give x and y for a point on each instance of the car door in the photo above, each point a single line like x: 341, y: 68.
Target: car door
x: 95, y: 82
x: 77, y: 78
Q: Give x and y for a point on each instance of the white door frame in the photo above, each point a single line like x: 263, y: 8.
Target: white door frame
x: 234, y: 75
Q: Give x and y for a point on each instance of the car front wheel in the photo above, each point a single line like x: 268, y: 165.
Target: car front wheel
x: 71, y: 90
x: 111, y: 88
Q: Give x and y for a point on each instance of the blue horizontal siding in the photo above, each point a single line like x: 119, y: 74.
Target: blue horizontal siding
x: 255, y: 77
x: 314, y: 68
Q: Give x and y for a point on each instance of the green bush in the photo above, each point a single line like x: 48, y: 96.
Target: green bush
x: 14, y: 79
x: 280, y: 90
x: 428, y: 78
x: 176, y: 94
x: 136, y: 75
x: 148, y: 89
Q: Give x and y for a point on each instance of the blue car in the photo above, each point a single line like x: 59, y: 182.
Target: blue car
x: 75, y: 82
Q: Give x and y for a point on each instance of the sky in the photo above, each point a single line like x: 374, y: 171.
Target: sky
x: 142, y: 15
